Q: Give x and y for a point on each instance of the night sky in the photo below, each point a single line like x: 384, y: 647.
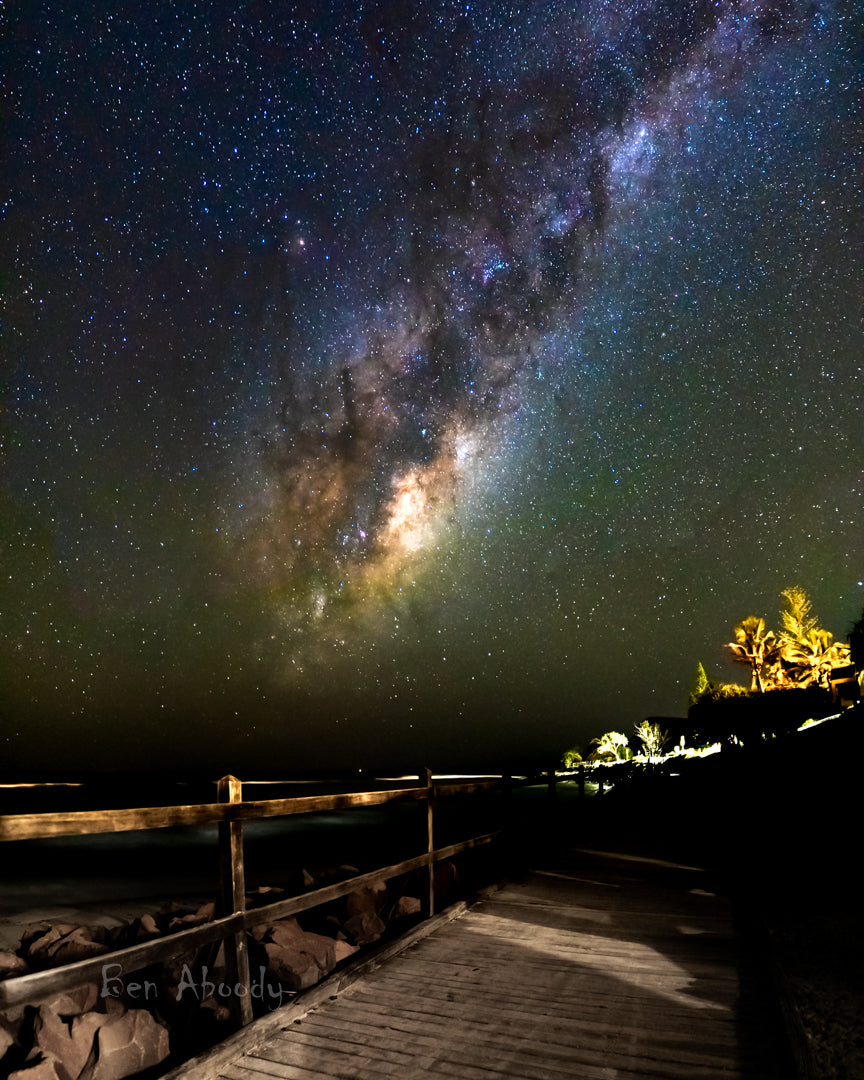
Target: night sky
x: 421, y: 383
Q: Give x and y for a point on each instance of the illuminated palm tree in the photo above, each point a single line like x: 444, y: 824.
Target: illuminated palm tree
x: 757, y: 647
x: 812, y: 658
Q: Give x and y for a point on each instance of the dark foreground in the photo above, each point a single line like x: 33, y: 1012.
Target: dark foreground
x: 590, y: 964
x: 774, y: 825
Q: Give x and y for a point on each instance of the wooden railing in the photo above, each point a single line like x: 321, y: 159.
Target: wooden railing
x: 229, y: 813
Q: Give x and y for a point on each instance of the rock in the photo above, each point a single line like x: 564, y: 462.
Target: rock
x: 298, y: 959
x: 364, y: 927
x: 84, y: 1027
x: 143, y: 929
x: 220, y: 1010
x: 206, y: 913
x: 7, y: 1038
x: 45, y: 1068
x: 446, y: 880
x: 11, y: 965
x: 127, y: 1044
x: 64, y: 944
x: 74, y: 1002
x: 342, y: 950
x: 12, y: 1016
x: 69, y: 1046
x: 115, y: 1006
x: 363, y: 924
x: 406, y: 905
x: 79, y: 945
x: 372, y: 898
x: 266, y: 894
x: 31, y: 933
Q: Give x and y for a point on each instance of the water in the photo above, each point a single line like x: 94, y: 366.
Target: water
x: 111, y: 878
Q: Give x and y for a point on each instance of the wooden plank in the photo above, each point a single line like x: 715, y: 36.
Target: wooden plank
x: 454, y: 1051
x: 206, y: 1065
x: 254, y: 1069
x: 232, y: 896
x: 540, y: 965
x: 524, y: 1040
x: 500, y: 994
x: 428, y: 903
x: 593, y: 1009
x: 93, y: 822
x: 587, y: 993
x: 491, y: 1013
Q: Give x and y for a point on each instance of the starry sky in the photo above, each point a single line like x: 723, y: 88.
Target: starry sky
x: 430, y: 384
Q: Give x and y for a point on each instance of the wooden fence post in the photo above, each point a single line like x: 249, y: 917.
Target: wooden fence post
x: 426, y: 776
x: 232, y: 879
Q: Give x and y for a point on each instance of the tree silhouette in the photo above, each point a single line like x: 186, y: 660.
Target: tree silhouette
x: 757, y: 647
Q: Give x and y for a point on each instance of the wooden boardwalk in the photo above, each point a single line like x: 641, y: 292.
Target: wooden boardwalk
x: 594, y: 968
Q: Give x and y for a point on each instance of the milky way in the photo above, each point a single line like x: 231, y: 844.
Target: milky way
x: 433, y: 385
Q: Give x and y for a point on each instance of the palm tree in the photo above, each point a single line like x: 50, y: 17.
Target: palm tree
x: 757, y: 647
x: 812, y: 658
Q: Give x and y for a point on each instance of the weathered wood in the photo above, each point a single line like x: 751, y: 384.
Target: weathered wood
x: 232, y: 900
x: 42, y: 984
x: 499, y: 994
x: 92, y: 822
x: 429, y: 899
x: 208, y: 1064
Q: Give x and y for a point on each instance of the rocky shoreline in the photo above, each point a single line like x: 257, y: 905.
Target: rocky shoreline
x: 168, y: 1012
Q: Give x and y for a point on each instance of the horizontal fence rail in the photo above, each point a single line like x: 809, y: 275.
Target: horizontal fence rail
x: 92, y: 822
x: 234, y: 920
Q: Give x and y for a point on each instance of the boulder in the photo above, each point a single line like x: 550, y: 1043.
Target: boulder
x: 364, y: 927
x: 40, y: 1067
x: 64, y: 944
x: 406, y: 905
x: 8, y: 1033
x: 68, y: 1045
x: 143, y: 929
x: 372, y: 898
x: 7, y: 1038
x: 446, y: 881
x: 206, y: 913
x: 127, y: 1043
x: 363, y: 924
x: 80, y: 999
x: 342, y: 950
x: 11, y: 965
x: 298, y: 959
